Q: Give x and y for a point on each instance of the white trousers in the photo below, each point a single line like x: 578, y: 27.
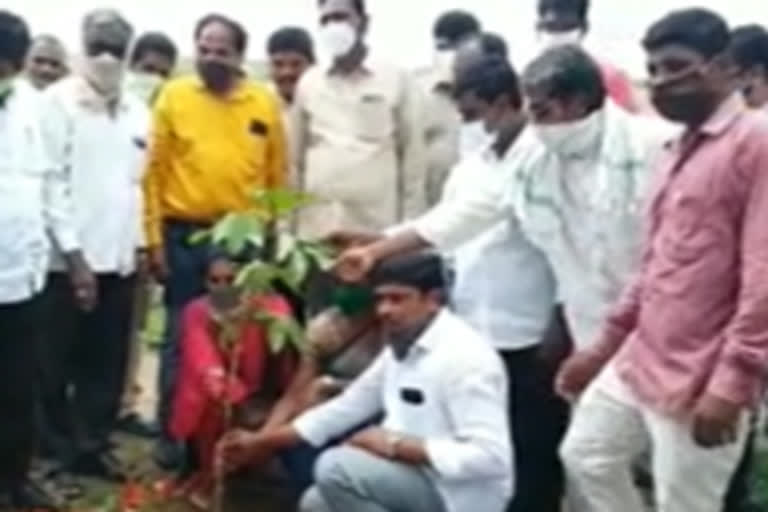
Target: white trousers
x: 611, y: 428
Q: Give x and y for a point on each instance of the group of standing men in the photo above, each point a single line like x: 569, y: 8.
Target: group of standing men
x: 537, y: 186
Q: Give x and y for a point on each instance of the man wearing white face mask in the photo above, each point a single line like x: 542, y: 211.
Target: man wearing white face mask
x: 576, y: 180
x: 152, y: 60
x: 469, y: 52
x: 563, y: 22
x: 357, y: 132
x: 96, y: 135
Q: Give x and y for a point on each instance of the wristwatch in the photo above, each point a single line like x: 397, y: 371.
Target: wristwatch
x: 393, y: 442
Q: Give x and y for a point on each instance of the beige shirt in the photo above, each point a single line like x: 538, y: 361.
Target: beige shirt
x: 442, y: 125
x: 358, y: 143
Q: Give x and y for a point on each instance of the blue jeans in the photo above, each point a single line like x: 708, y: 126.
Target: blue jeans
x: 299, y: 461
x: 187, y: 263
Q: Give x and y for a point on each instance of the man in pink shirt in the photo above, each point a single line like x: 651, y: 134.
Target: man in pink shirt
x: 680, y: 365
x: 563, y: 22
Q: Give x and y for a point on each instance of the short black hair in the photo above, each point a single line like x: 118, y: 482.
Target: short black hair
x: 239, y: 34
x: 455, y: 25
x: 15, y: 39
x: 494, y: 44
x: 701, y: 30
x: 489, y: 79
x: 565, y: 72
x: 291, y: 39
x: 578, y: 7
x: 749, y: 47
x: 153, y: 42
x: 421, y: 270
x: 359, y: 6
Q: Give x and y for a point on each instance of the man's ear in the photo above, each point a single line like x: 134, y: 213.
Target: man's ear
x: 438, y: 296
x: 364, y: 24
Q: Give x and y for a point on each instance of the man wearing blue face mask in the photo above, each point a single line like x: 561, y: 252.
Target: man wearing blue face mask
x: 357, y: 132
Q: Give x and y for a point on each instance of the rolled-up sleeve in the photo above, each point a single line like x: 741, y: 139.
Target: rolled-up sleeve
x: 480, y: 445
x: 451, y: 224
x: 740, y: 374
x: 361, y: 401
x: 54, y: 131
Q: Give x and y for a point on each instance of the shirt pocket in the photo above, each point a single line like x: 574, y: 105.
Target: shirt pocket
x: 687, y: 229
x: 137, y: 154
x: 257, y: 149
x: 374, y: 116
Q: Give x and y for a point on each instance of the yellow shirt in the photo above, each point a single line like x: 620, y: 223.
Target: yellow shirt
x: 208, y: 154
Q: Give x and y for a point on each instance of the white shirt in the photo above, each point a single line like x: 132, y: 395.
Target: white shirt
x: 504, y: 287
x: 462, y: 419
x: 104, y: 158
x: 591, y: 242
x: 31, y: 199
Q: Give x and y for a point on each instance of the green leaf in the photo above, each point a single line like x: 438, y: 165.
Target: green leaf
x: 257, y: 276
x: 281, y: 201
x: 235, y: 230
x: 299, y: 266
x: 285, y: 331
x: 199, y: 237
x: 322, y: 256
x: 286, y: 245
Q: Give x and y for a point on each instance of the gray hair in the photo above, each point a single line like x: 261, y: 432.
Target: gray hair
x: 48, y: 39
x: 566, y: 72
x: 107, y: 25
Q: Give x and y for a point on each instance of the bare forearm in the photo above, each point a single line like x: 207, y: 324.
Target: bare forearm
x: 411, y: 451
x: 282, y: 438
x: 290, y: 405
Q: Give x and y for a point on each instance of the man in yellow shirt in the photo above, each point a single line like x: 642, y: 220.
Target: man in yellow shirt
x: 216, y: 138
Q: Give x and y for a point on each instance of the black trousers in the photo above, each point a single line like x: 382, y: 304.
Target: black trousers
x: 84, y: 358
x: 538, y: 418
x: 739, y: 498
x: 19, y: 339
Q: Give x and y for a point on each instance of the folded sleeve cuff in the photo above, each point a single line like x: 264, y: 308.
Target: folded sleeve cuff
x: 442, y: 455
x: 736, y: 386
x: 66, y: 240
x: 310, y: 430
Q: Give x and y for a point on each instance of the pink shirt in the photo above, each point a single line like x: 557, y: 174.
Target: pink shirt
x: 618, y: 86
x: 695, y: 319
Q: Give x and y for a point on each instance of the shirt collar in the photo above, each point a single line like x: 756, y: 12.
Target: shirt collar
x: 728, y: 111
x: 90, y: 99
x: 241, y: 91
x: 363, y: 69
x: 431, y: 336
